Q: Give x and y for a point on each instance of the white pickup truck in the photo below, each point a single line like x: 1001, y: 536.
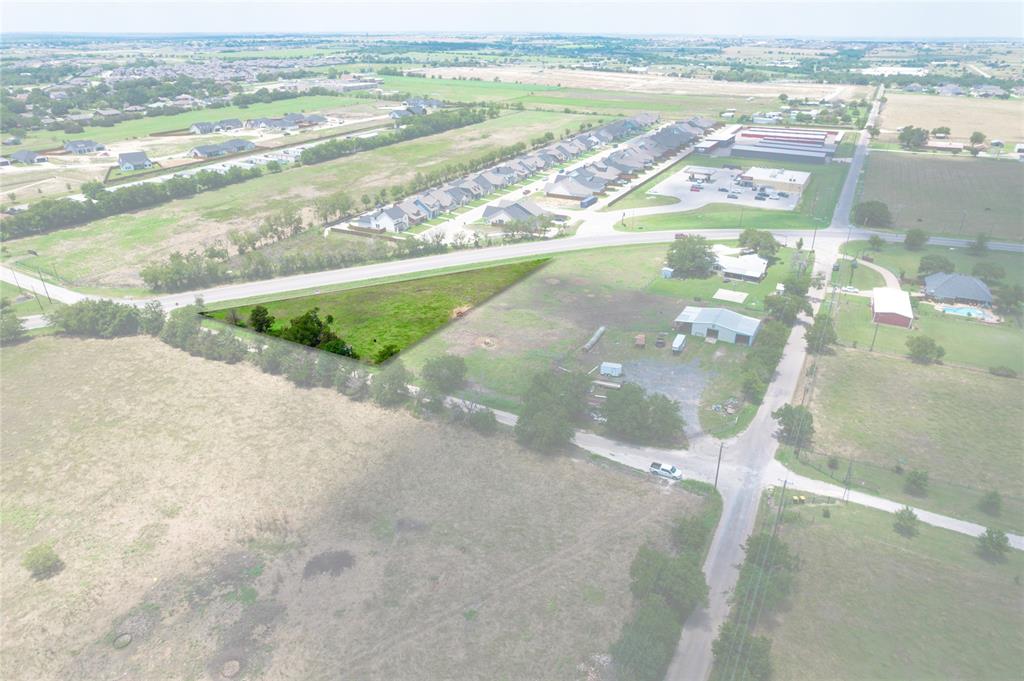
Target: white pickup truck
x: 670, y: 472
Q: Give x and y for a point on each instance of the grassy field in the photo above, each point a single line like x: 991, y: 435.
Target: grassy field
x: 901, y: 261
x: 998, y: 118
x: 869, y: 605
x: 328, y: 535
x: 939, y: 193
x: 881, y: 412
x: 639, y: 196
x: 143, y: 127
x: 370, y: 318
x: 542, y: 322
x: 967, y: 342
x: 25, y: 302
x: 110, y: 252
x: 864, y: 278
x: 814, y: 210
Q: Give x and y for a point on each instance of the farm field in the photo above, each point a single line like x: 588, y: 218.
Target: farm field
x: 328, y: 531
x: 1001, y: 119
x: 967, y: 342
x: 371, y: 318
x: 110, y: 252
x: 870, y: 604
x: 142, y: 127
x: 814, y: 210
x: 900, y: 260
x: 937, y: 193
x: 862, y: 414
x: 542, y: 322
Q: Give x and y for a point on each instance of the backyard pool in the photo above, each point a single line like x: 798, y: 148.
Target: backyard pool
x: 965, y: 311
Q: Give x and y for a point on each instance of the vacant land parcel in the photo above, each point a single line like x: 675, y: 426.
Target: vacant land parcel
x: 328, y: 538
x: 372, y: 318
x: 1001, y: 119
x: 870, y: 604
x: 948, y: 195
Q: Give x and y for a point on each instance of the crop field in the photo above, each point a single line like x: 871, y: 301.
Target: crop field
x: 293, y: 533
x: 870, y: 604
x: 815, y: 209
x: 901, y: 261
x: 882, y: 412
x: 143, y: 127
x: 370, y: 318
x: 967, y: 342
x: 542, y: 322
x: 943, y: 195
x: 1001, y: 119
x: 110, y: 252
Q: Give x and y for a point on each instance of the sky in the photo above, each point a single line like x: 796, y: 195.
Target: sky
x: 808, y: 18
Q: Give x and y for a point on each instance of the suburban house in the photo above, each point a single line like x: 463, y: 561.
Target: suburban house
x: 399, y: 113
x: 233, y: 146
x: 717, y: 323
x: 82, y: 146
x: 891, y: 306
x: 957, y: 288
x: 736, y: 264
x: 505, y: 212
x: 413, y: 213
x: 133, y: 160
x: 391, y: 219
x: 201, y: 128
x: 26, y: 156
x: 106, y: 113
x: 4, y: 161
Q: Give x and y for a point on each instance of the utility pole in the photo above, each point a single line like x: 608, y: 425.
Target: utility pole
x: 873, y: 337
x: 719, y: 466
x: 45, y: 290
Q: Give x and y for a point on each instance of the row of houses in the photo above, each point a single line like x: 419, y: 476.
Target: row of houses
x: 416, y: 107
x: 428, y: 204
x: 289, y: 121
x: 623, y: 164
x: 206, y: 128
x: 231, y: 146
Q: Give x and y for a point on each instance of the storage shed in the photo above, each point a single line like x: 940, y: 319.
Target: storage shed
x: 717, y: 323
x: 891, y: 306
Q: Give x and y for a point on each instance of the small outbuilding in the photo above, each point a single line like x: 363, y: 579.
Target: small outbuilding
x: 613, y: 369
x: 717, y: 323
x: 891, y: 306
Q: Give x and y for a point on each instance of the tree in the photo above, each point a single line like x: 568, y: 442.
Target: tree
x: 445, y: 374
x: 151, y: 318
x: 916, y: 483
x: 924, y: 349
x: 800, y: 244
x: 483, y: 421
x: 690, y: 257
x: 872, y: 214
x: 550, y: 409
x: 913, y: 138
x: 786, y: 307
x: 644, y: 649
x: 915, y: 240
x: 1009, y: 298
x: 12, y: 329
x: 308, y: 329
x: 991, y: 503
x: 759, y: 241
x: 390, y: 386
x: 874, y: 131
x: 822, y: 334
x: 977, y: 138
x: 797, y: 424
x: 989, y: 272
x: 876, y: 243
x: 260, y: 319
x: 942, y: 130
x: 42, y: 561
x: 993, y: 544
x: 933, y: 263
x: 905, y: 522
x: 635, y: 416
x: 756, y: 662
x: 979, y: 245
x: 96, y: 319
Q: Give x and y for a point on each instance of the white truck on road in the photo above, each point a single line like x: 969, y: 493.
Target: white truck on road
x: 670, y: 472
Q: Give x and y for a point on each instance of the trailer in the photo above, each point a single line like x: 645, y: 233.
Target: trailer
x: 678, y: 343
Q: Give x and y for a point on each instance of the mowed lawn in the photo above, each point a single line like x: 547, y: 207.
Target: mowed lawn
x: 939, y: 194
x: 401, y: 313
x: 881, y: 412
x: 869, y: 605
x: 110, y: 252
x: 967, y: 342
x: 142, y: 127
x: 814, y: 210
x: 901, y: 261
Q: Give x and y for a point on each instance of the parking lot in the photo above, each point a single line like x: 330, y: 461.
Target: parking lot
x: 722, y: 187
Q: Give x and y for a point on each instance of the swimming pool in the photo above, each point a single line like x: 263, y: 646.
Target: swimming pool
x: 963, y: 311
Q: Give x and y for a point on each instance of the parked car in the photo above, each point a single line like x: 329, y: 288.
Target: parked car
x: 760, y: 197
x: 732, y: 196
x: 670, y: 472
x: 784, y: 195
x: 695, y: 188
x: 851, y: 289
x: 723, y: 189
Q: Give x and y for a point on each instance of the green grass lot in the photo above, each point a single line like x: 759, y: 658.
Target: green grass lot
x: 639, y: 197
x: 543, y: 321
x: 402, y: 313
x: 24, y: 302
x: 110, y: 252
x: 868, y: 604
x: 814, y: 210
x: 899, y: 260
x: 937, y: 193
x: 143, y: 127
x: 462, y: 90
x: 967, y: 342
x: 882, y: 411
x: 864, y: 278
x: 847, y: 145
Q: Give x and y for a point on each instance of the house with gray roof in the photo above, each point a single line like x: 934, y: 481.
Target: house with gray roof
x: 133, y: 160
x: 232, y: 146
x: 201, y: 128
x: 505, y: 212
x: 82, y: 146
x: 949, y: 287
x: 717, y: 323
x: 27, y: 156
x: 391, y: 219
